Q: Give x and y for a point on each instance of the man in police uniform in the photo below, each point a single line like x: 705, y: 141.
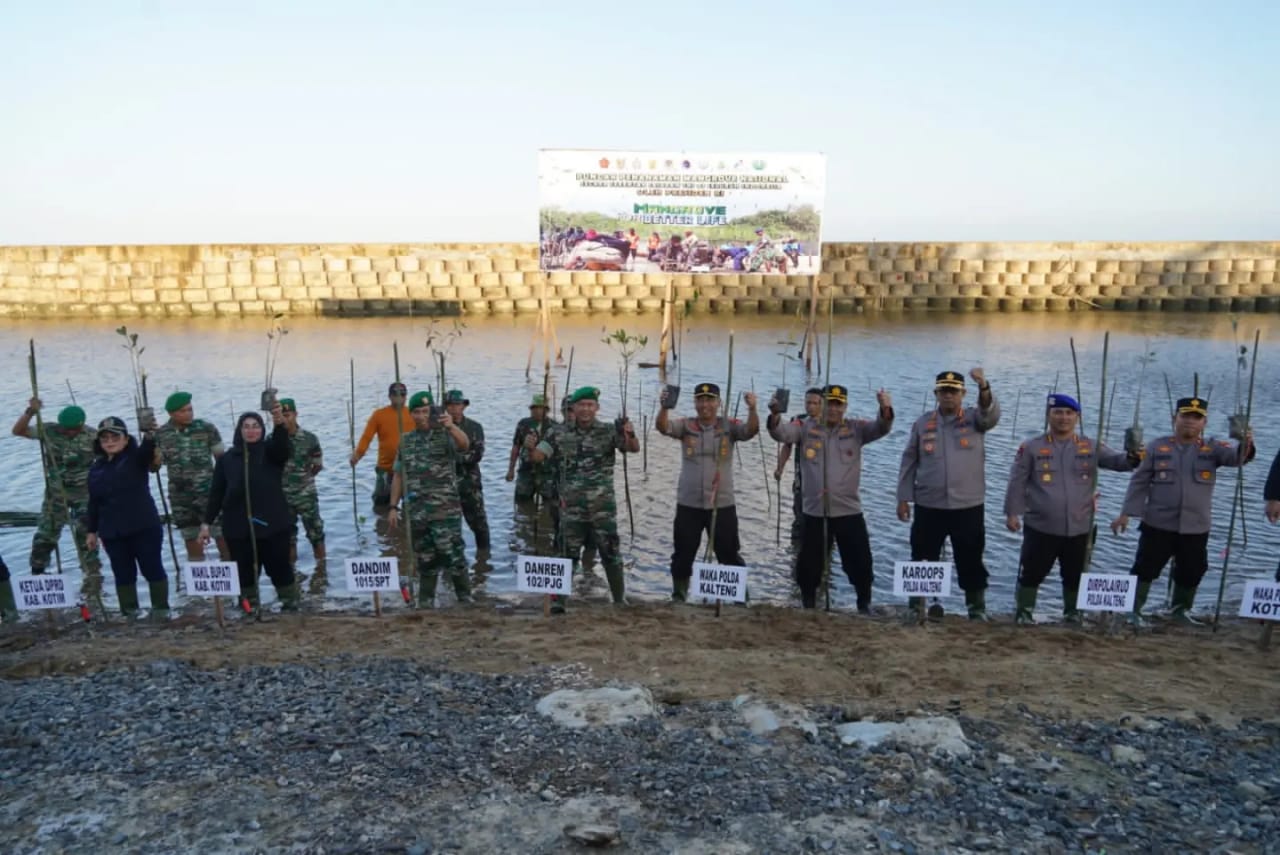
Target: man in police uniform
x: 1051, y: 485
x: 942, y: 472
x: 812, y: 409
x: 1172, y: 493
x: 704, y: 495
x: 831, y: 453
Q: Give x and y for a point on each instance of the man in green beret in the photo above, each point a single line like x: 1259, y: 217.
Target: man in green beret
x: 68, y: 453
x: 305, y: 462
x: 426, y: 477
x: 585, y: 449
x: 470, y: 486
x: 188, y: 447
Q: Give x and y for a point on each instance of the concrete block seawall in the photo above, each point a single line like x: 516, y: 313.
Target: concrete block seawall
x: 459, y: 278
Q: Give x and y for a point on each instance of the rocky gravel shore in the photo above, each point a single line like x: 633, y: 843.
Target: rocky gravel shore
x: 354, y: 754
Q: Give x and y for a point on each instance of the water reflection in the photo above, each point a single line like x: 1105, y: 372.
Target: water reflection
x: 220, y: 362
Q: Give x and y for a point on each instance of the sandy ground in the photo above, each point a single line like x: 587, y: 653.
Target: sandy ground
x: 873, y: 666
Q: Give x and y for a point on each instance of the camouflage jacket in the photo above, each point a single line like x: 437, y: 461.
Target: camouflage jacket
x: 427, y: 475
x: 585, y: 458
x: 189, y: 454
x: 68, y: 454
x: 539, y: 429
x: 469, y: 460
x: 305, y: 460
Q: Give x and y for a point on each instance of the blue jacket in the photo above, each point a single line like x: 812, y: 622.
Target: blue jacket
x: 120, y: 502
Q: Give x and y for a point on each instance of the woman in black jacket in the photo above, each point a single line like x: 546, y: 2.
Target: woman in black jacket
x: 256, y: 521
x: 122, y: 515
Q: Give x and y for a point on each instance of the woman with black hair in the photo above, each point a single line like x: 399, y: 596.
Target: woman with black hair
x: 248, y: 492
x: 122, y: 515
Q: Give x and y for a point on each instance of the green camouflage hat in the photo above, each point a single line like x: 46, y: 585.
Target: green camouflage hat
x: 538, y: 401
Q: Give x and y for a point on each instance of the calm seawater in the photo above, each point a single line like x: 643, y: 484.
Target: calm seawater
x: 222, y: 362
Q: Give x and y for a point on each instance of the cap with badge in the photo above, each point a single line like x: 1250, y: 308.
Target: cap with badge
x: 113, y: 424
x: 1057, y: 400
x: 585, y: 393
x: 837, y: 393
x: 949, y: 380
x: 421, y: 399
x: 706, y: 390
x: 1193, y: 407
x: 287, y: 405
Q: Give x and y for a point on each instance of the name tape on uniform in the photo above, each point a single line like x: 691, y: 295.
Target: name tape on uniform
x: 1107, y: 592
x: 32, y: 593
x: 922, y: 578
x: 213, y: 579
x: 719, y: 582
x: 1261, y: 600
x: 537, y: 574
x: 375, y: 573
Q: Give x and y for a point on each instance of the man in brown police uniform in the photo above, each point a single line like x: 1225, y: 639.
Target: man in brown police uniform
x: 942, y: 472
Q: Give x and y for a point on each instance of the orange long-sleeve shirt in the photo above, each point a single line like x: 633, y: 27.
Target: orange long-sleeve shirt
x: 387, y: 424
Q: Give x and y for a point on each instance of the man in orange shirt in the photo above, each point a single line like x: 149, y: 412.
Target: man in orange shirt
x: 387, y: 423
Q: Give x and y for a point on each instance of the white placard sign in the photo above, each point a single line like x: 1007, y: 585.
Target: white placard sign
x: 213, y: 579
x: 1107, y: 592
x: 1261, y: 600
x: 719, y: 582
x: 375, y: 573
x: 922, y: 578
x: 41, y: 592
x: 537, y: 574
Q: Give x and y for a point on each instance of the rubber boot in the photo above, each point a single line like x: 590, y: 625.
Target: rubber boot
x: 680, y: 589
x: 320, y: 580
x: 617, y: 584
x: 8, y: 605
x: 1184, y: 598
x: 428, y: 577
x: 250, y: 595
x: 977, y: 603
x: 1025, y: 597
x: 128, y: 597
x: 159, y: 600
x: 1139, y: 600
x: 558, y: 604
x: 290, y: 596
x: 1070, y: 613
x: 462, y: 586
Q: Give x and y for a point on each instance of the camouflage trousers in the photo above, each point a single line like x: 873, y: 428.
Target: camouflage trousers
x: 529, y: 483
x: 306, y: 506
x: 187, y: 504
x: 53, y: 516
x: 600, y: 529
x: 471, y: 494
x: 437, y: 546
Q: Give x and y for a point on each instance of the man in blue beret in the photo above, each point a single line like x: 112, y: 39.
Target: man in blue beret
x: 1051, y: 489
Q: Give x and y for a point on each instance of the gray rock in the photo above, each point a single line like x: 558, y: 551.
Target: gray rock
x: 1124, y: 755
x: 597, y: 707
x: 767, y: 717
x: 938, y: 734
x: 595, y: 835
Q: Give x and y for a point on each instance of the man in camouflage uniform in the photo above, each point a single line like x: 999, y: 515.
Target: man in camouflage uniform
x: 585, y: 450
x: 189, y: 447
x: 305, y: 462
x: 1052, y: 485
x: 470, y: 486
x: 68, y: 452
x: 1171, y: 491
x: 532, y: 479
x: 425, y: 477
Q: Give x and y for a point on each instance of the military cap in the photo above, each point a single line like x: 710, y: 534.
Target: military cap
x: 71, y: 417
x: 287, y: 405
x: 706, y: 390
x: 949, y: 380
x: 1059, y: 400
x: 421, y: 399
x: 835, y: 392
x: 454, y: 396
x: 585, y: 393
x: 1193, y: 406
x: 176, y: 401
x: 113, y: 424
x: 538, y: 401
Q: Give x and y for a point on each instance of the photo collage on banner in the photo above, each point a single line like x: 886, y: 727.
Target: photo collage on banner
x: 681, y: 212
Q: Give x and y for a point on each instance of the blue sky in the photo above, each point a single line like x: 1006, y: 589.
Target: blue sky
x: 158, y: 122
